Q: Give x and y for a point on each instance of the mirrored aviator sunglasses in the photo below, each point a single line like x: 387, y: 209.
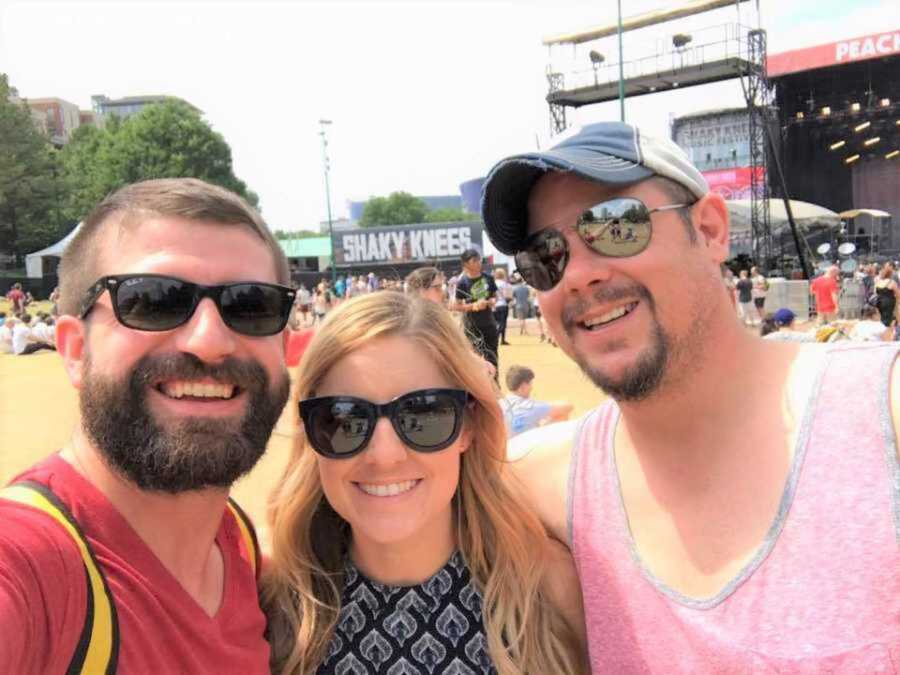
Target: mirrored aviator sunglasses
x: 427, y: 420
x: 156, y: 302
x: 617, y: 228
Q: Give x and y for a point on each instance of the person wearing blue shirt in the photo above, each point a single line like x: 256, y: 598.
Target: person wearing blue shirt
x: 522, y: 412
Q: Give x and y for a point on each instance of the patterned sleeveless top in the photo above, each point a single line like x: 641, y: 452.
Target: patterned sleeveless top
x: 435, y: 627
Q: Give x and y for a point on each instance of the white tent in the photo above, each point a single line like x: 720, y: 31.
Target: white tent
x: 34, y: 265
x: 805, y: 214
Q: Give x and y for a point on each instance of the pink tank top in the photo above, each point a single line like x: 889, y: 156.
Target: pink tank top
x: 822, y: 592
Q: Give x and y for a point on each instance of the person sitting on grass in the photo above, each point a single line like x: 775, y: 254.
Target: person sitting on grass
x: 779, y: 325
x: 870, y: 328
x: 522, y: 412
x: 6, y: 335
x: 43, y: 334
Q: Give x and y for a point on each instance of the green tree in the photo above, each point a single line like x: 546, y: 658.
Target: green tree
x: 30, y: 186
x: 451, y: 215
x: 398, y: 208
x: 296, y: 234
x: 165, y: 140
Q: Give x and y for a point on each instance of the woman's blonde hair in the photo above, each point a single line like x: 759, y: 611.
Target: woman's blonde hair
x: 501, y: 540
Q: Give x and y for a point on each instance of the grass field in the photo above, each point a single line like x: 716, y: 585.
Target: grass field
x: 39, y: 409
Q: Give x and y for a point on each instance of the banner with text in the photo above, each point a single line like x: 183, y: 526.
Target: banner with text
x: 422, y: 243
x: 732, y: 183
x: 873, y: 46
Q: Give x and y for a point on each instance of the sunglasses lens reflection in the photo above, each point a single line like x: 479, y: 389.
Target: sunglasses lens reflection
x: 338, y: 427
x: 254, y: 309
x: 543, y: 262
x: 153, y: 303
x: 427, y: 421
x: 617, y: 228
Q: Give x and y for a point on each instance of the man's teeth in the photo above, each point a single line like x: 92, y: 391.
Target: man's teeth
x: 179, y: 389
x: 388, y: 490
x: 612, y: 315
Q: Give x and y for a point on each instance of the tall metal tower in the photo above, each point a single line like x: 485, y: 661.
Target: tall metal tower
x: 759, y: 96
x: 556, y: 82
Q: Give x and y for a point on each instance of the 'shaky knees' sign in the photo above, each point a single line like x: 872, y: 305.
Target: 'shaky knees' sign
x: 409, y: 243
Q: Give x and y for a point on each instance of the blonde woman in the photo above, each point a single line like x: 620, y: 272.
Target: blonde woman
x: 397, y: 544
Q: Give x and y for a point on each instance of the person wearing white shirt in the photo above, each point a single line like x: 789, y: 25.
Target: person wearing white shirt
x: 20, y: 335
x: 44, y: 331
x: 870, y: 328
x: 6, y: 335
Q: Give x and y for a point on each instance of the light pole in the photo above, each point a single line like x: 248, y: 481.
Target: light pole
x: 621, y: 71
x: 326, y: 165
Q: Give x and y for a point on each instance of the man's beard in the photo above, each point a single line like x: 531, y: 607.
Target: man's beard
x: 184, y: 454
x: 646, y: 375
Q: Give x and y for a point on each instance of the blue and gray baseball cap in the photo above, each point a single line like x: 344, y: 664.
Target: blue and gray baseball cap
x: 606, y: 152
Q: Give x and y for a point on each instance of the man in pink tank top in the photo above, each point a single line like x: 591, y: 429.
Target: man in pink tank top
x: 735, y: 506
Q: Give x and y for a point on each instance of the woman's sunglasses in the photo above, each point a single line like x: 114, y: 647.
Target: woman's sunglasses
x: 427, y: 420
x: 618, y: 228
x: 155, y: 302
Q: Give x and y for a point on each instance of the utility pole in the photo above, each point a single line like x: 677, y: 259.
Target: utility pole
x: 326, y: 165
x: 621, y: 70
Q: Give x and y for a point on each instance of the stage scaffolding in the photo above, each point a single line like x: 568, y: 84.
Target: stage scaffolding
x: 713, y: 54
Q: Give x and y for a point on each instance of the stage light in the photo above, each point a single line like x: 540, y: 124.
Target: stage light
x: 871, y: 141
x: 851, y: 159
x: 885, y: 102
x: 680, y: 40
x: 826, y: 111
x: 596, y: 57
x: 892, y: 154
x: 800, y: 115
x: 837, y: 144
x: 860, y: 127
x: 855, y: 107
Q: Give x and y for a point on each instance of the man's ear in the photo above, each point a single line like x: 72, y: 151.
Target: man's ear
x: 71, y: 335
x: 711, y: 220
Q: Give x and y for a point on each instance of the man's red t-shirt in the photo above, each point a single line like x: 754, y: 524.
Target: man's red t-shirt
x: 825, y: 288
x: 162, y: 629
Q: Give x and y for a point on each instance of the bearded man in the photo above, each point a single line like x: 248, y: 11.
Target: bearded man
x: 727, y: 510
x: 123, y: 549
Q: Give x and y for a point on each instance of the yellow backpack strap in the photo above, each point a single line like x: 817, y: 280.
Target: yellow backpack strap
x: 248, y: 534
x: 97, y: 650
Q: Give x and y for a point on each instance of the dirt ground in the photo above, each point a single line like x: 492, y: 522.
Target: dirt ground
x: 39, y: 409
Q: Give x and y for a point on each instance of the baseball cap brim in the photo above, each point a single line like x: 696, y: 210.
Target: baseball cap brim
x: 504, y: 201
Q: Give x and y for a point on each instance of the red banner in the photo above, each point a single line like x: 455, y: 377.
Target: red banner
x: 846, y: 51
x: 731, y: 183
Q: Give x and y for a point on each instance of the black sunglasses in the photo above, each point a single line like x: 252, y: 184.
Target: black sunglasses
x: 155, y: 302
x: 618, y: 228
x: 427, y: 420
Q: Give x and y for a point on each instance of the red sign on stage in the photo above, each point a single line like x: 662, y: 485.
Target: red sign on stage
x: 731, y: 183
x: 846, y: 51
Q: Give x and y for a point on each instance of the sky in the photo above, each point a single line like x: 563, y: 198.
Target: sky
x: 422, y: 95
